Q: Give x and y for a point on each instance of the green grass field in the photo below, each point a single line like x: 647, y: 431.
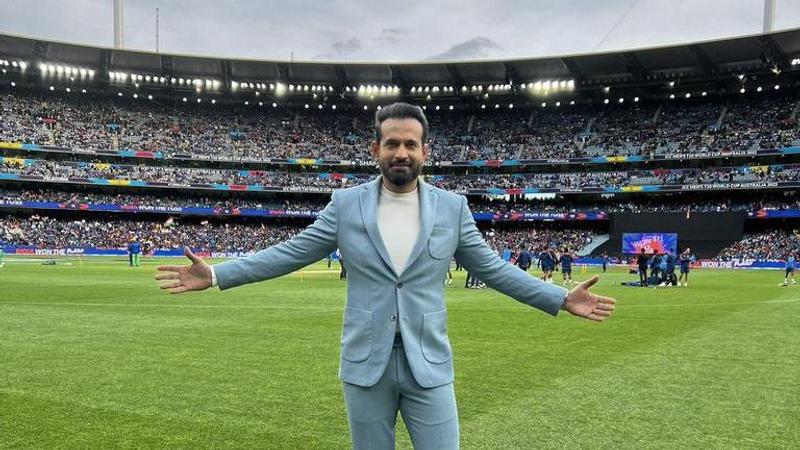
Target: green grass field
x: 96, y: 356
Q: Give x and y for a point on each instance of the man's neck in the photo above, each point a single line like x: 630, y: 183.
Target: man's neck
x: 404, y: 189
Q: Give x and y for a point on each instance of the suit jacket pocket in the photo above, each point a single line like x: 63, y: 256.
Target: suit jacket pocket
x: 440, y: 244
x: 435, y: 343
x: 356, y: 334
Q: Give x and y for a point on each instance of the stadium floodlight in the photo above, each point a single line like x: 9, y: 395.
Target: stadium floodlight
x: 428, y: 97
x: 199, y: 100
x: 741, y: 76
x: 635, y: 99
x: 424, y: 107
x: 246, y: 103
x: 306, y: 106
x: 173, y: 80
x: 119, y: 94
x: 52, y: 88
x: 742, y: 90
x: 319, y: 106
x: 463, y: 89
x: 510, y: 106
x: 672, y: 96
x: 213, y: 101
x: 365, y: 107
x: 621, y: 100
x: 759, y: 89
x: 496, y: 106
x: 483, y: 106
x: 23, y: 66
x: 688, y: 95
x: 68, y: 90
x: 83, y: 72
x: 450, y: 108
x: 91, y: 73
x: 413, y: 90
x: 83, y: 91
x: 274, y: 105
x: 704, y: 93
x: 43, y: 67
x: 544, y: 104
x: 607, y: 89
x: 671, y: 84
x: 572, y: 102
x: 135, y: 95
x: 606, y: 101
x: 437, y: 107
x: 522, y: 86
x: 291, y: 88
x: 777, y: 86
x: 147, y: 78
x: 13, y: 84
x: 51, y: 68
x: 333, y: 107
x: 180, y: 80
x: 149, y: 97
x: 558, y: 104
x: 379, y: 107
x: 280, y: 89
x: 185, y: 100
x: 796, y: 61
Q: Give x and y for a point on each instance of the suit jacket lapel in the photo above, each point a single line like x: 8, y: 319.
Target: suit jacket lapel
x: 427, y: 215
x: 369, y: 214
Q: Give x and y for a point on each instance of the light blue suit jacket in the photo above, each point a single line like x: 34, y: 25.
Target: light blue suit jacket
x: 377, y: 296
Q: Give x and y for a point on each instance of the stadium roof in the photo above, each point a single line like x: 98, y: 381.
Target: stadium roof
x: 707, y: 59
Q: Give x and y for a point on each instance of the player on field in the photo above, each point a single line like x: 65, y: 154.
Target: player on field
x: 686, y: 260
x: 566, y: 260
x: 134, y: 252
x: 789, y: 265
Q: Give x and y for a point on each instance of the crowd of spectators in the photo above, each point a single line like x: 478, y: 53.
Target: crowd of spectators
x: 772, y: 245
x: 225, y: 132
x: 59, y: 170
x: 484, y: 204
x: 59, y: 233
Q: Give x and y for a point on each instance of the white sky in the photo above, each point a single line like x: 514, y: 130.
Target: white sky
x: 380, y: 30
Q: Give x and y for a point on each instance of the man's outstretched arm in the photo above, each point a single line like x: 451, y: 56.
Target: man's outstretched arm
x: 488, y: 267
x: 311, y: 245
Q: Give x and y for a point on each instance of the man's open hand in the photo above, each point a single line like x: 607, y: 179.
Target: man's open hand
x: 186, y: 278
x: 582, y: 303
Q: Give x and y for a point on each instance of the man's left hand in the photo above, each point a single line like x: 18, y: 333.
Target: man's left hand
x: 580, y: 302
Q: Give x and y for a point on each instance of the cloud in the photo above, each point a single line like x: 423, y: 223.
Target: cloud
x: 347, y: 47
x: 391, y: 35
x: 477, y: 47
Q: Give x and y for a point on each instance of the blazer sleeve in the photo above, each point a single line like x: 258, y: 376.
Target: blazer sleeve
x: 487, y: 266
x: 311, y: 245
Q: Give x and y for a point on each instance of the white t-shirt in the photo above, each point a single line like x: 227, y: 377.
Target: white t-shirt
x: 399, y: 224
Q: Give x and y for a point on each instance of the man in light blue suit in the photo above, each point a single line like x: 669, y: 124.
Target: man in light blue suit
x: 398, y: 235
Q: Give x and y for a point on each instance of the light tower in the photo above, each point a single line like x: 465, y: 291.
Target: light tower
x: 118, y: 44
x: 769, y: 16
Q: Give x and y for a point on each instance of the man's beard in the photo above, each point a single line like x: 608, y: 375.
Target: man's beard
x: 400, y: 174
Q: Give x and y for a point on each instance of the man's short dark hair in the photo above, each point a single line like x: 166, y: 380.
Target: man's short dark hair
x: 401, y: 110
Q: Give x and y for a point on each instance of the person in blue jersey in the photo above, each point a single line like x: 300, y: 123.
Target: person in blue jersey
x: 134, y: 252
x: 669, y: 270
x: 604, y: 261
x: 566, y: 260
x: 686, y: 259
x: 655, y: 268
x: 524, y: 259
x: 546, y: 263
x: 789, y: 265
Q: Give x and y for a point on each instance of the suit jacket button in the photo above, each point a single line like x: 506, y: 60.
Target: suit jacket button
x: 399, y: 285
x: 394, y: 318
